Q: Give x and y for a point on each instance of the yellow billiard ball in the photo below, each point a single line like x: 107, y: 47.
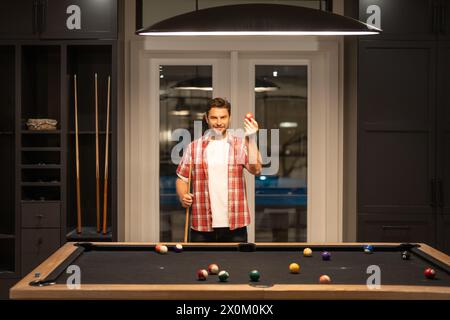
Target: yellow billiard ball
x: 294, y: 268
x: 307, y: 252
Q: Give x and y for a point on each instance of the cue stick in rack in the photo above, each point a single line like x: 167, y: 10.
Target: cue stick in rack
x: 186, y: 225
x: 77, y: 156
x: 97, y: 165
x: 105, y: 182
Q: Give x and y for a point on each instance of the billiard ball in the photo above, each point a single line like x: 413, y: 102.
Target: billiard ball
x: 163, y: 249
x: 254, y: 275
x: 307, y: 252
x: 405, y: 255
x: 368, y: 249
x: 223, y: 276
x: 202, y: 274
x: 326, y: 256
x: 324, y: 279
x: 429, y: 273
x: 178, y: 248
x: 158, y: 248
x: 249, y: 116
x: 294, y: 268
x: 213, y: 268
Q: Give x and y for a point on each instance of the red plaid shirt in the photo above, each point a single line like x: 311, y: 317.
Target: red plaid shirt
x: 201, y: 216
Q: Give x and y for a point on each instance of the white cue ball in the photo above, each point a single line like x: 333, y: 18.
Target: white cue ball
x: 163, y: 249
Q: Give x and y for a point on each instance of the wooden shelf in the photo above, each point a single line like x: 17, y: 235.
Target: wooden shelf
x: 7, y: 236
x: 41, y: 131
x: 41, y: 184
x: 39, y: 201
x: 41, y: 149
x: 37, y: 166
x: 5, y: 272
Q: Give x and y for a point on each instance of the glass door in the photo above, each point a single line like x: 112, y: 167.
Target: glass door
x: 185, y: 87
x: 184, y: 90
x: 276, y: 91
x: 281, y: 103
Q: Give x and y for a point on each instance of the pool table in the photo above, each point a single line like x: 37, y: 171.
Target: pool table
x: 136, y: 271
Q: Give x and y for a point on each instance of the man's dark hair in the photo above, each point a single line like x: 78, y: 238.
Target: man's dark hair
x: 218, y: 103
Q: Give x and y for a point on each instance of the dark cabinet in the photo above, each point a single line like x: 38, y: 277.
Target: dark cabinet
x: 410, y: 19
x: 397, y: 228
x: 19, y: 19
x: 444, y: 18
x: 58, y: 19
x: 396, y: 134
x: 38, y: 212
x: 80, y: 19
x: 8, y: 219
x: 443, y: 141
x: 37, y: 245
x: 404, y: 125
x: 407, y: 19
x: 86, y: 61
x: 46, y: 158
x: 41, y: 215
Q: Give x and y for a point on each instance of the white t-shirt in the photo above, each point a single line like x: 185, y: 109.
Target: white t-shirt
x: 217, y: 157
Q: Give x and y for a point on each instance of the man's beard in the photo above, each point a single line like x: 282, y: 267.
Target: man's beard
x: 219, y: 131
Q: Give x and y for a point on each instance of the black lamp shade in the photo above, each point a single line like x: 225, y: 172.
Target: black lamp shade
x: 259, y: 19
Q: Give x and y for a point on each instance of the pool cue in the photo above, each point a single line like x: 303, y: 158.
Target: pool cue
x: 186, y: 225
x: 77, y: 156
x: 105, y: 181
x: 97, y: 165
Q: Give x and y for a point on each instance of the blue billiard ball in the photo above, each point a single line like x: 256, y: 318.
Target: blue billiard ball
x: 368, y: 248
x: 326, y: 256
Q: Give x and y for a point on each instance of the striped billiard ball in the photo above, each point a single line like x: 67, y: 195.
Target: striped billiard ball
x: 202, y: 274
x: 213, y: 268
x: 223, y: 276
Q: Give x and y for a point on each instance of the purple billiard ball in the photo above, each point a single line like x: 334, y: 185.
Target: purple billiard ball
x: 178, y: 248
x: 326, y: 256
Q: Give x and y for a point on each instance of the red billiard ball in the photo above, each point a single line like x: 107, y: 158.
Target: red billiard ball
x: 202, y: 274
x: 249, y: 115
x: 158, y: 248
x: 429, y: 273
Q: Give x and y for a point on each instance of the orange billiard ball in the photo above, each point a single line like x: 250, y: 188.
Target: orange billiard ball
x: 324, y: 279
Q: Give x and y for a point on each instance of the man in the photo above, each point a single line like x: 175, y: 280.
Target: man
x: 215, y: 162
